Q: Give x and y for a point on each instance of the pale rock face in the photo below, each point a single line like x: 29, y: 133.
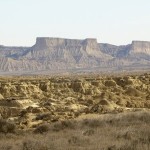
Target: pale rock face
x: 49, y: 42
x: 90, y: 44
x: 1, y: 97
x: 92, y: 49
x: 141, y: 47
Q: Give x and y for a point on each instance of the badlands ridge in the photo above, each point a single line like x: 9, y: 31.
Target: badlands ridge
x: 30, y: 101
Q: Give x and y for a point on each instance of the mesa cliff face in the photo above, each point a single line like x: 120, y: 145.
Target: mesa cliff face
x: 65, y: 55
x: 141, y: 47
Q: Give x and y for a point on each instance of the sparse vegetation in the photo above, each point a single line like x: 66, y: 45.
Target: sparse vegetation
x: 124, y: 131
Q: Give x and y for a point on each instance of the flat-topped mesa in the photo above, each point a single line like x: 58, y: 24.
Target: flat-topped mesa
x: 45, y: 42
x: 140, y: 47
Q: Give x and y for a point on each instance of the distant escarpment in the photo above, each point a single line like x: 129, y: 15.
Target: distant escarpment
x: 71, y: 55
x: 141, y: 47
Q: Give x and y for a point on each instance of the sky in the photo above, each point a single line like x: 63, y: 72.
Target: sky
x: 110, y: 21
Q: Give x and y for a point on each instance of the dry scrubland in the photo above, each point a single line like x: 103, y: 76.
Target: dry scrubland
x: 124, y: 131
x: 69, y: 113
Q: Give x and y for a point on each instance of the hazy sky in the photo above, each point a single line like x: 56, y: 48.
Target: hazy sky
x: 112, y: 21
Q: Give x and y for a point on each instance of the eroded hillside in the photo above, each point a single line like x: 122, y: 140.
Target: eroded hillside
x: 54, y: 55
x: 29, y: 101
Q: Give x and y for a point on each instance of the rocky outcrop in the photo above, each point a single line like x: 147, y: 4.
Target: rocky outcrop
x: 140, y: 47
x: 71, y: 55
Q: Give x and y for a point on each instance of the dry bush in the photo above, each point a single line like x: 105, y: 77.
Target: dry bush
x: 44, y: 116
x: 6, y: 127
x: 42, y: 129
x: 66, y: 124
x: 78, y: 141
x: 89, y: 132
x: 34, y: 145
x: 6, y: 147
x: 93, y: 123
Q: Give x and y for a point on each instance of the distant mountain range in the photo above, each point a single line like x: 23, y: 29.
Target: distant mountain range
x: 50, y: 55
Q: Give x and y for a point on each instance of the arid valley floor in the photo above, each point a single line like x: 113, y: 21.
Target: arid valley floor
x: 89, y: 112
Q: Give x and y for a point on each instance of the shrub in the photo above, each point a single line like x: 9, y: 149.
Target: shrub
x: 88, y: 132
x: 34, y: 145
x: 6, y: 127
x: 41, y: 129
x: 78, y: 141
x: 66, y: 124
x: 93, y: 123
